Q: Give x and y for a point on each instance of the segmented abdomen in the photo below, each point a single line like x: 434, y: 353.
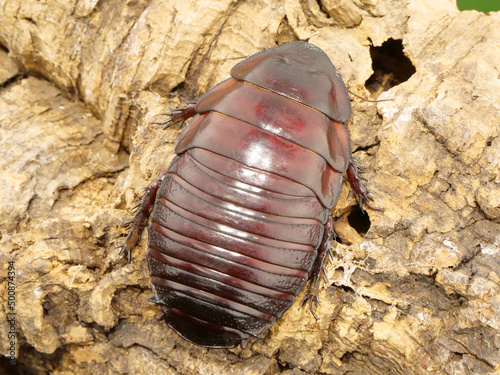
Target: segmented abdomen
x: 239, y: 217
x: 222, y: 257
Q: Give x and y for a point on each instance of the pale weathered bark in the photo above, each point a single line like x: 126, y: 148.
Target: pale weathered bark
x: 414, y: 289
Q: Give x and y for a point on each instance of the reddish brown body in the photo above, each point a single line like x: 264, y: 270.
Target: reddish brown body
x: 241, y: 218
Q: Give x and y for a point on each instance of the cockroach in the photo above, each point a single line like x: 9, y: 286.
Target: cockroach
x: 241, y: 219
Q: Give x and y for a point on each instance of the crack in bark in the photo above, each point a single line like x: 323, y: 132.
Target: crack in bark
x: 14, y: 79
x: 212, y: 43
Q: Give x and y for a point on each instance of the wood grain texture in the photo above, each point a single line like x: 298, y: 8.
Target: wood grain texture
x: 418, y: 292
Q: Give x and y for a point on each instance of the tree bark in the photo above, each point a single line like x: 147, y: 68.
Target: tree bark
x: 413, y: 289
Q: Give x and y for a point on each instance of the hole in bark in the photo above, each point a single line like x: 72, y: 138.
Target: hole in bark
x: 346, y: 357
x: 338, y: 239
x: 359, y: 220
x: 6, y: 366
x: 390, y: 67
x: 285, y: 33
x: 345, y: 288
x: 46, y: 308
x: 180, y: 88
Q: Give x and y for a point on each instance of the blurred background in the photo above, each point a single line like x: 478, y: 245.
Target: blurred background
x: 480, y: 5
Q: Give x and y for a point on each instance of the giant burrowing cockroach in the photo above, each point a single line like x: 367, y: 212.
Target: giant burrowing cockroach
x: 241, y: 218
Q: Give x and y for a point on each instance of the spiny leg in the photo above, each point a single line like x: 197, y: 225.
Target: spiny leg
x: 356, y: 182
x: 324, y: 251
x: 143, y: 208
x: 141, y: 216
x: 318, y: 271
x: 181, y: 114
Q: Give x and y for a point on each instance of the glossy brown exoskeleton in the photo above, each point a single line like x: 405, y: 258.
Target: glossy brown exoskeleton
x: 241, y: 219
